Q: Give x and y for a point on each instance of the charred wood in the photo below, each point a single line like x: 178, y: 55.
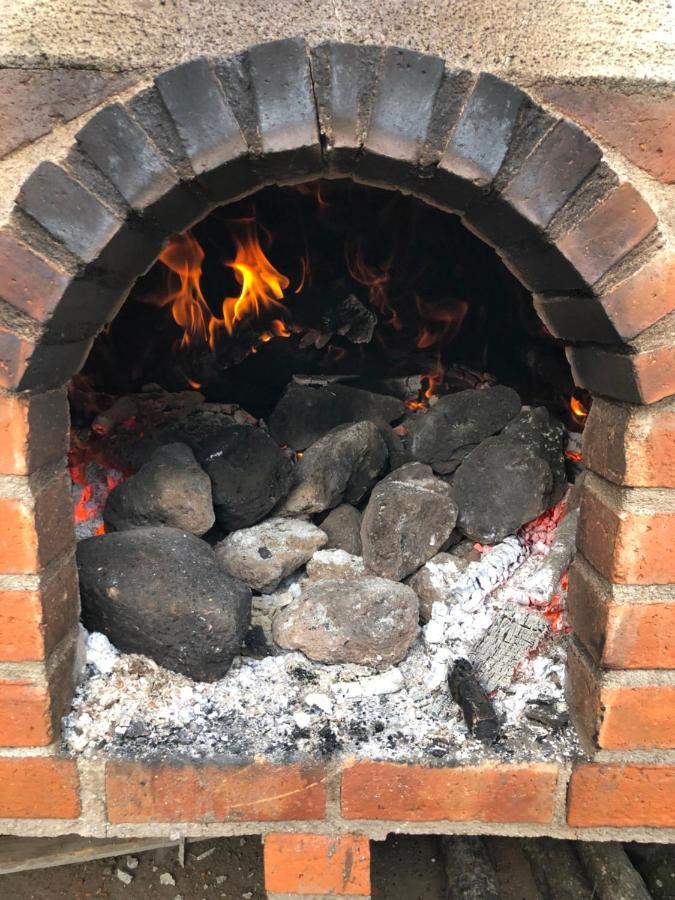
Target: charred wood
x: 477, y: 709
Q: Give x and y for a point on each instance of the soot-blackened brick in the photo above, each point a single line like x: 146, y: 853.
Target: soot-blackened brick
x: 84, y: 225
x: 345, y: 76
x: 576, y: 317
x: 284, y: 101
x: 208, y: 129
x: 401, y: 116
x: 122, y: 150
x: 26, y: 366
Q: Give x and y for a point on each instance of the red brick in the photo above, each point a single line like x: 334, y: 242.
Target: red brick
x: 29, y: 282
x: 644, y: 377
x: 626, y: 547
x: 631, y: 635
x: 607, y: 233
x: 621, y: 796
x: 258, y: 792
x: 39, y: 788
x: 33, y: 431
x: 639, y: 124
x: 25, y: 715
x: 632, y: 446
x: 32, y: 533
x: 484, y: 793
x: 317, y: 864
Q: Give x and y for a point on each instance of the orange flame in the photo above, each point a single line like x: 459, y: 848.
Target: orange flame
x: 376, y: 280
x: 578, y: 410
x: 440, y: 323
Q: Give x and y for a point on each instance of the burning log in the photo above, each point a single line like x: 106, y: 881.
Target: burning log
x: 469, y: 871
x: 477, y: 709
x: 122, y: 410
x: 510, y: 637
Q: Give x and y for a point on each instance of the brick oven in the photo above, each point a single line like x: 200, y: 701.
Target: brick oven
x: 566, y: 176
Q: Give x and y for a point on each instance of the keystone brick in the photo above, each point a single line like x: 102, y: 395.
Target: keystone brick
x: 285, y: 107
x: 621, y: 796
x: 207, y: 128
x: 122, y: 150
x: 633, y: 377
x: 626, y: 547
x: 620, y: 635
x: 29, y: 366
x: 317, y: 864
x: 258, y: 792
x: 631, y: 445
x: 35, y: 531
x: 33, y: 431
x: 607, y: 233
x: 39, y: 788
x: 484, y: 793
x: 401, y: 116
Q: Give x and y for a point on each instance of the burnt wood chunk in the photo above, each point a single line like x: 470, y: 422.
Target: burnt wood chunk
x: 469, y: 872
x: 479, y: 713
x: 611, y: 872
x: 556, y: 869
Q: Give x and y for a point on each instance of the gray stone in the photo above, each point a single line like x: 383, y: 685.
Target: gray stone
x: 457, y: 423
x: 434, y: 581
x: 342, y: 465
x: 343, y: 528
x: 249, y: 473
x: 512, y: 478
x: 306, y: 412
x: 335, y: 564
x: 409, y: 518
x: 263, y: 555
x: 170, y: 489
x: 159, y: 591
x: 367, y: 621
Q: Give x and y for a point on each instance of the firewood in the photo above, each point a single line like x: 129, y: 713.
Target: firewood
x: 477, y: 709
x: 556, y: 869
x: 611, y: 872
x: 513, y: 633
x: 123, y: 409
x: 469, y: 872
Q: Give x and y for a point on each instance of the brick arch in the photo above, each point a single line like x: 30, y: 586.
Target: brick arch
x: 533, y: 186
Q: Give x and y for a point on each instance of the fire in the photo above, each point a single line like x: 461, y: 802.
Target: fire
x: 440, y: 323
x: 262, y: 285
x: 578, y: 410
x: 376, y: 280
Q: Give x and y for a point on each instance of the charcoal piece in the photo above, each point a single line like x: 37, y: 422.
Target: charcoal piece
x: 367, y: 621
x: 408, y: 519
x: 349, y: 318
x: 656, y: 864
x: 477, y: 709
x: 249, y: 474
x: 513, y: 633
x: 556, y: 869
x: 343, y: 529
x: 341, y: 466
x: 544, y: 712
x: 261, y: 556
x: 457, y: 423
x: 611, y: 872
x: 306, y: 413
x: 469, y: 872
x: 159, y: 591
x: 170, y: 489
x: 512, y: 478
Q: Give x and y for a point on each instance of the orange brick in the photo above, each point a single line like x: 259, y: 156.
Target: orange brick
x: 626, y: 547
x: 258, y: 792
x: 33, y: 431
x: 632, y: 445
x: 39, y: 788
x: 25, y: 715
x: 485, y: 793
x: 621, y: 796
x: 619, y: 635
x: 317, y: 864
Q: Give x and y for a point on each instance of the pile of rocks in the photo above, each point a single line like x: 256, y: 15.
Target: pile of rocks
x: 372, y: 511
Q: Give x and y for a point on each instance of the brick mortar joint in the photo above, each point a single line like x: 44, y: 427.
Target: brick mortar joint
x: 42, y: 580
x: 622, y: 678
x: 29, y: 487
x: 42, y: 671
x: 618, y: 595
x: 636, y: 500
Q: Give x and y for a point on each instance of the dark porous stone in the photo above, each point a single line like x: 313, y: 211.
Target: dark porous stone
x: 512, y: 478
x: 409, y: 518
x: 457, y: 423
x: 160, y: 592
x: 171, y: 489
x: 305, y: 413
x: 343, y: 528
x: 249, y: 474
x: 341, y: 466
x: 367, y: 621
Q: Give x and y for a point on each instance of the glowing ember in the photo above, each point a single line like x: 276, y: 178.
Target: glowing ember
x: 573, y: 456
x: 578, y: 410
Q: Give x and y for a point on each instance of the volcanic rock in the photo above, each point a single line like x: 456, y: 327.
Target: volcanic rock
x: 263, y: 555
x: 433, y: 582
x: 335, y: 564
x: 249, y: 474
x: 368, y: 621
x: 342, y: 465
x: 457, y: 423
x: 306, y: 413
x: 512, y: 478
x: 343, y: 528
x: 170, y: 489
x: 409, y: 517
x: 159, y: 591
